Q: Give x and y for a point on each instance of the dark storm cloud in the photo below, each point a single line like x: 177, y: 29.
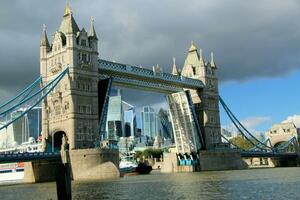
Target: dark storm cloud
x: 250, y: 39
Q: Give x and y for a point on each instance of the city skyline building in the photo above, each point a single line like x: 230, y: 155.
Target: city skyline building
x: 115, y: 117
x: 20, y: 131
x: 166, y: 125
x: 149, y: 122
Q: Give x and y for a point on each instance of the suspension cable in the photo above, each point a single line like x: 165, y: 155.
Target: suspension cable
x: 232, y: 143
x: 33, y: 95
x: 57, y: 79
x: 23, y: 92
x: 233, y: 118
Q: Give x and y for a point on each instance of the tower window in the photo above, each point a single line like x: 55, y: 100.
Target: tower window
x: 83, y: 43
x: 84, y: 57
x: 194, y: 70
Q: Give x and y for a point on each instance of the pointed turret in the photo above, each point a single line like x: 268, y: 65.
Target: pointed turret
x: 212, y: 62
x: 174, y: 68
x: 92, y: 32
x: 68, y: 10
x: 68, y: 24
x: 191, y: 64
x: 44, y: 39
x: 192, y: 47
x: 201, y: 59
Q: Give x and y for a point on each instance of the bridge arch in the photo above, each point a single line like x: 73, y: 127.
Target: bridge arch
x: 56, y: 139
x: 278, y: 143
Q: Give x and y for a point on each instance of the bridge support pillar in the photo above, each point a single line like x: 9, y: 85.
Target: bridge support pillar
x: 94, y: 164
x: 86, y: 164
x: 221, y: 160
x: 40, y: 171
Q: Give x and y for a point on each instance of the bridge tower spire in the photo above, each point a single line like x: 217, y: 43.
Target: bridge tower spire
x: 206, y: 100
x: 72, y: 109
x: 174, y: 68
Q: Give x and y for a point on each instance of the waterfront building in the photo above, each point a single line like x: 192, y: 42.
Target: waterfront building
x: 282, y: 132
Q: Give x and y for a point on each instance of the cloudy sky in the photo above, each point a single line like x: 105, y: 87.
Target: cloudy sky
x: 256, y: 45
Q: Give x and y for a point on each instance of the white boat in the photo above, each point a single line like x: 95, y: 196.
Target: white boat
x: 11, y: 172
x: 127, y: 165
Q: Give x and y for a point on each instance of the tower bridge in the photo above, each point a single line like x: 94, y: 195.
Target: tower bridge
x: 74, y: 104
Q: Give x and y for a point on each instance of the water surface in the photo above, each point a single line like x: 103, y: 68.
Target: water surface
x: 275, y: 183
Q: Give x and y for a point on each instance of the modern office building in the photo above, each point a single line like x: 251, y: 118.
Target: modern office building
x: 115, y: 117
x: 149, y: 122
x: 20, y: 131
x: 166, y: 125
x: 129, y: 118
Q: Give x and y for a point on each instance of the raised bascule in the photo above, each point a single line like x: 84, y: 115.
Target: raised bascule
x: 75, y: 85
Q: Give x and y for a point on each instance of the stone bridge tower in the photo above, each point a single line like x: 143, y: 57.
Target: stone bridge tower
x: 72, y: 108
x: 206, y: 101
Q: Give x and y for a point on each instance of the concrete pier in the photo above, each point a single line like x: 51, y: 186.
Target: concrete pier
x: 209, y: 161
x: 86, y: 164
x: 94, y: 164
x: 40, y: 171
x: 221, y: 160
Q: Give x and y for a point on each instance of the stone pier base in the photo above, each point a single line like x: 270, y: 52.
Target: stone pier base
x: 223, y: 160
x: 40, y: 171
x: 86, y: 164
x: 170, y: 165
x: 94, y: 164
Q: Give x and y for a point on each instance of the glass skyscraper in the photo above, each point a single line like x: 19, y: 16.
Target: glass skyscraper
x: 149, y: 122
x: 115, y: 116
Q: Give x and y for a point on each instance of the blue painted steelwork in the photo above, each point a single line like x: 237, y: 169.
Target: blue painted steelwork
x: 24, y: 92
x: 261, y: 149
x: 193, y: 111
x: 50, y: 86
x: 144, y: 84
x: 103, y: 115
x: 240, y: 126
x: 122, y: 71
x: 25, y: 157
x: 252, y: 154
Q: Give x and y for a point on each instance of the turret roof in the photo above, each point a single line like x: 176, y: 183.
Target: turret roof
x: 44, y: 39
x: 68, y: 24
x: 92, y: 32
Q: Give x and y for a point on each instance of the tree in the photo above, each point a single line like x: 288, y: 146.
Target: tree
x: 241, y: 142
x: 147, y: 153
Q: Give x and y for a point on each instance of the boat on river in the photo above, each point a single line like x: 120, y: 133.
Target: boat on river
x: 128, y: 166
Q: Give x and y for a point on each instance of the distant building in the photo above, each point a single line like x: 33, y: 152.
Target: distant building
x: 130, y: 119
x: 282, y: 132
x: 115, y: 117
x: 149, y: 122
x: 166, y: 125
x: 34, y: 122
x: 127, y: 129
x: 24, y: 128
x: 138, y: 132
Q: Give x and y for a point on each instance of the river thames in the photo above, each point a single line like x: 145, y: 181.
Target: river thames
x: 274, y: 183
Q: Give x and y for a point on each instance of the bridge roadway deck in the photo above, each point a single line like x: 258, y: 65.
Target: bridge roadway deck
x: 137, y: 77
x: 252, y: 154
x: 26, y: 157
